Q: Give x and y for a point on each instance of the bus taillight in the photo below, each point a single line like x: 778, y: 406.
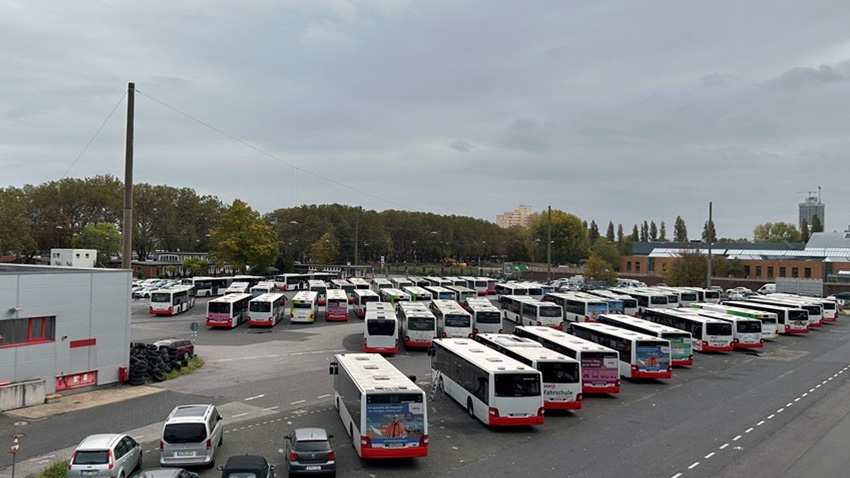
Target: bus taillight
x: 493, y: 411
x: 539, y: 323
x: 445, y: 335
x: 475, y: 331
x: 171, y: 310
x: 586, y: 318
x: 578, y: 397
x: 735, y: 341
x: 500, y: 331
x: 617, y: 382
x: 423, y: 440
x: 365, y: 442
x: 541, y: 411
x: 634, y: 368
x: 704, y: 343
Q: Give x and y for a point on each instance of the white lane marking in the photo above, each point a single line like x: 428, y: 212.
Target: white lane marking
x: 797, y: 399
x: 677, y: 475
x: 709, y: 455
x: 748, y: 430
x: 255, y: 397
x: 760, y: 423
x: 818, y: 386
x: 780, y: 410
x: 323, y: 396
x: 272, y: 408
x: 770, y: 417
x: 239, y: 415
x: 694, y: 465
x: 297, y: 402
x: 737, y: 438
x: 811, y: 390
x: 313, y: 352
x: 245, y: 358
x: 724, y: 446
x: 805, y: 394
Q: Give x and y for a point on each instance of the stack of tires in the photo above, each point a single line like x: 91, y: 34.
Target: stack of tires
x: 138, y: 364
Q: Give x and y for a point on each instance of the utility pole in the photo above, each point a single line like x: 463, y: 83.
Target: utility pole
x: 127, y: 226
x: 710, y: 229
x: 549, y: 248
x: 356, y: 240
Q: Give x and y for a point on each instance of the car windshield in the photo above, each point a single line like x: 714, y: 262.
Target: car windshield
x: 94, y: 457
x: 312, y: 445
x: 184, y: 433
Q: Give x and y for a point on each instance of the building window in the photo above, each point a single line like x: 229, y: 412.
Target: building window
x: 782, y: 272
x: 78, y: 255
x: 795, y: 272
x: 770, y: 272
x: 27, y: 331
x: 87, y: 255
x: 637, y: 267
x: 807, y: 272
x: 746, y: 271
x: 628, y: 266
x: 758, y: 272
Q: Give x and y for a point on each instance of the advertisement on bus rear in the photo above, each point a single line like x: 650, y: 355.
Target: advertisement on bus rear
x: 599, y: 370
x: 652, y: 357
x: 395, y: 424
x: 680, y: 347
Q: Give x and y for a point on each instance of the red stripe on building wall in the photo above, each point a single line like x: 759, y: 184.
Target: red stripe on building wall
x: 82, y: 343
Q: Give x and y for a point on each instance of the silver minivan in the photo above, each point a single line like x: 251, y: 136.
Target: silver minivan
x: 105, y: 455
x: 191, y: 435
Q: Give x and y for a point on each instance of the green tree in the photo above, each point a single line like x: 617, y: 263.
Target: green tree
x: 606, y: 251
x: 593, y: 233
x: 688, y: 269
x: 680, y: 231
x: 644, y: 232
x: 804, y: 230
x: 653, y: 231
x: 735, y: 268
x: 242, y: 239
x: 817, y: 224
x: 15, y: 226
x: 620, y: 234
x: 776, y: 232
x: 569, y: 237
x: 709, y: 233
x: 662, y: 232
x: 625, y: 247
x: 325, y: 250
x: 635, y: 234
x: 719, y: 266
x: 609, y: 234
x: 195, y: 266
x: 597, y: 268
x: 102, y: 236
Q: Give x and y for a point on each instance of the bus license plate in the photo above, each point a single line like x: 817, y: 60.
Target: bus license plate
x: 395, y: 445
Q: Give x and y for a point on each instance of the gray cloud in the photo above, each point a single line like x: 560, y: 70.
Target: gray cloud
x: 461, y: 145
x: 801, y: 77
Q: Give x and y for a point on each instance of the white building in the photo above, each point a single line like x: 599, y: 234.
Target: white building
x: 73, y: 257
x: 517, y: 217
x: 61, y: 328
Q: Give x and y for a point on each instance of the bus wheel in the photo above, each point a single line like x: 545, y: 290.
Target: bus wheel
x: 469, y: 408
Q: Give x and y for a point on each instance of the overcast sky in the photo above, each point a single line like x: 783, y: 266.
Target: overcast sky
x: 612, y: 110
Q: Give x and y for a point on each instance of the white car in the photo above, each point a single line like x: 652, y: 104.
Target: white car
x: 144, y: 292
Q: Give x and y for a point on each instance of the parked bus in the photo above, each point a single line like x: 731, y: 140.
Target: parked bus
x: 379, y: 283
x: 630, y: 306
x: 790, y: 320
x: 359, y: 283
x: 681, y: 342
x: 346, y: 287
x: 511, y: 306
x: 290, y: 281
x: 438, y: 281
x: 363, y: 297
x: 491, y: 285
x: 419, y: 294
x: 401, y: 282
x: 172, y: 301
x: 486, y: 318
x: 814, y: 310
x: 561, y: 375
x: 324, y: 276
x: 417, y: 281
x: 478, y: 284
x: 262, y: 288
x: 336, y: 305
x: 304, y: 307
x: 494, y: 388
x: 615, y: 304
x: 708, y: 334
x: 533, y: 290
x: 452, y: 320
x: 438, y: 292
x: 380, y: 328
x: 746, y: 333
x: 251, y: 280
x: 267, y: 309
x: 417, y: 325
x: 535, y: 312
x: 641, y: 355
x: 769, y: 326
x: 237, y: 288
x: 206, y: 286
x: 394, y: 296
x: 672, y: 297
x: 684, y: 297
x: 708, y: 296
x: 599, y: 364
x: 647, y: 300
x: 512, y: 288
x: 455, y: 281
x: 462, y: 292
x: 830, y: 307
x: 382, y: 410
x: 320, y: 288
x: 228, y: 311
x: 578, y: 308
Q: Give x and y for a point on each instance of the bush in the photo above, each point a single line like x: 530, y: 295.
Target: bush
x: 194, y: 364
x: 57, y: 469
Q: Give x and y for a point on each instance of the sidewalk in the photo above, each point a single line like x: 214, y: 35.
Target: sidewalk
x: 83, y: 400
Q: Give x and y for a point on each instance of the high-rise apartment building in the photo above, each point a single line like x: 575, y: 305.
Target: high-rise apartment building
x: 517, y: 217
x: 809, y: 209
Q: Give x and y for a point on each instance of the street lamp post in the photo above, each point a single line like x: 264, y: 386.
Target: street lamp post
x: 14, y: 451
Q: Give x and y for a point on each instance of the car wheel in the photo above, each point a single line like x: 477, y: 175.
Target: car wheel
x: 186, y: 356
x: 469, y: 408
x: 221, y: 439
x: 139, y: 463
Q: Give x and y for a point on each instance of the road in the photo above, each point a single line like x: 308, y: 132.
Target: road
x: 780, y: 412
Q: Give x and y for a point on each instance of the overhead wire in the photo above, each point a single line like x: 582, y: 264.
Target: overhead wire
x: 96, y: 133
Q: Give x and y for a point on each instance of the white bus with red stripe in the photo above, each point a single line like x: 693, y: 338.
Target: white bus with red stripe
x: 373, y: 398
x: 172, y: 301
x: 417, y: 324
x: 337, y: 307
x: 380, y: 328
x: 710, y: 335
x: 228, y: 311
x: 746, y: 333
x: 267, y: 309
x: 641, y: 355
x: 362, y: 297
x: 493, y: 387
x: 452, y: 319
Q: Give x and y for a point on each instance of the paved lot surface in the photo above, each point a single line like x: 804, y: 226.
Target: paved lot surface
x: 780, y: 412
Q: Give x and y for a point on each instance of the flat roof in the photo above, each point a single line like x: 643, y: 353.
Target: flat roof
x: 15, y: 269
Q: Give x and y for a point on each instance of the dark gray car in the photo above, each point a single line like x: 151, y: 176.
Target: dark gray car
x: 168, y: 473
x: 309, y: 452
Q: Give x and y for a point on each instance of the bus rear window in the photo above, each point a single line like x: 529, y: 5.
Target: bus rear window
x: 488, y: 317
x: 260, y: 307
x: 517, y: 385
x: 658, y: 300
x: 689, y: 297
x: 423, y: 323
x: 219, y: 307
x: 559, y: 372
x: 368, y: 298
x: 457, y: 320
x: 380, y: 327
x: 745, y: 327
x: 303, y: 305
x: 798, y: 315
x: 550, y: 312
x: 719, y: 329
x: 161, y: 297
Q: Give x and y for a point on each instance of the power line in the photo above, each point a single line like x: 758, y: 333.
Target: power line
x: 95, y: 135
x: 269, y: 155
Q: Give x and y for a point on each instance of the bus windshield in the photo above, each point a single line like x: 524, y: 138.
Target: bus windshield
x: 161, y: 297
x: 219, y: 307
x: 657, y: 300
x: 718, y: 329
x: 303, y: 305
x: 457, y: 320
x: 798, y: 315
x: 260, y: 307
x: 369, y: 298
x: 749, y: 327
x: 488, y: 317
x: 558, y: 372
x: 549, y: 311
x: 381, y: 327
x: 597, y: 308
x: 420, y: 323
x: 517, y: 385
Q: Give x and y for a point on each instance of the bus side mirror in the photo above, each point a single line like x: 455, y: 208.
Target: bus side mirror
x: 412, y: 378
x: 431, y: 351
x: 333, y: 369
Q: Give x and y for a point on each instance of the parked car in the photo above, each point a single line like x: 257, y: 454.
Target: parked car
x: 105, y: 455
x: 144, y: 292
x: 191, y: 435
x: 185, y: 347
x: 168, y: 473
x: 309, y: 452
x: 243, y: 466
